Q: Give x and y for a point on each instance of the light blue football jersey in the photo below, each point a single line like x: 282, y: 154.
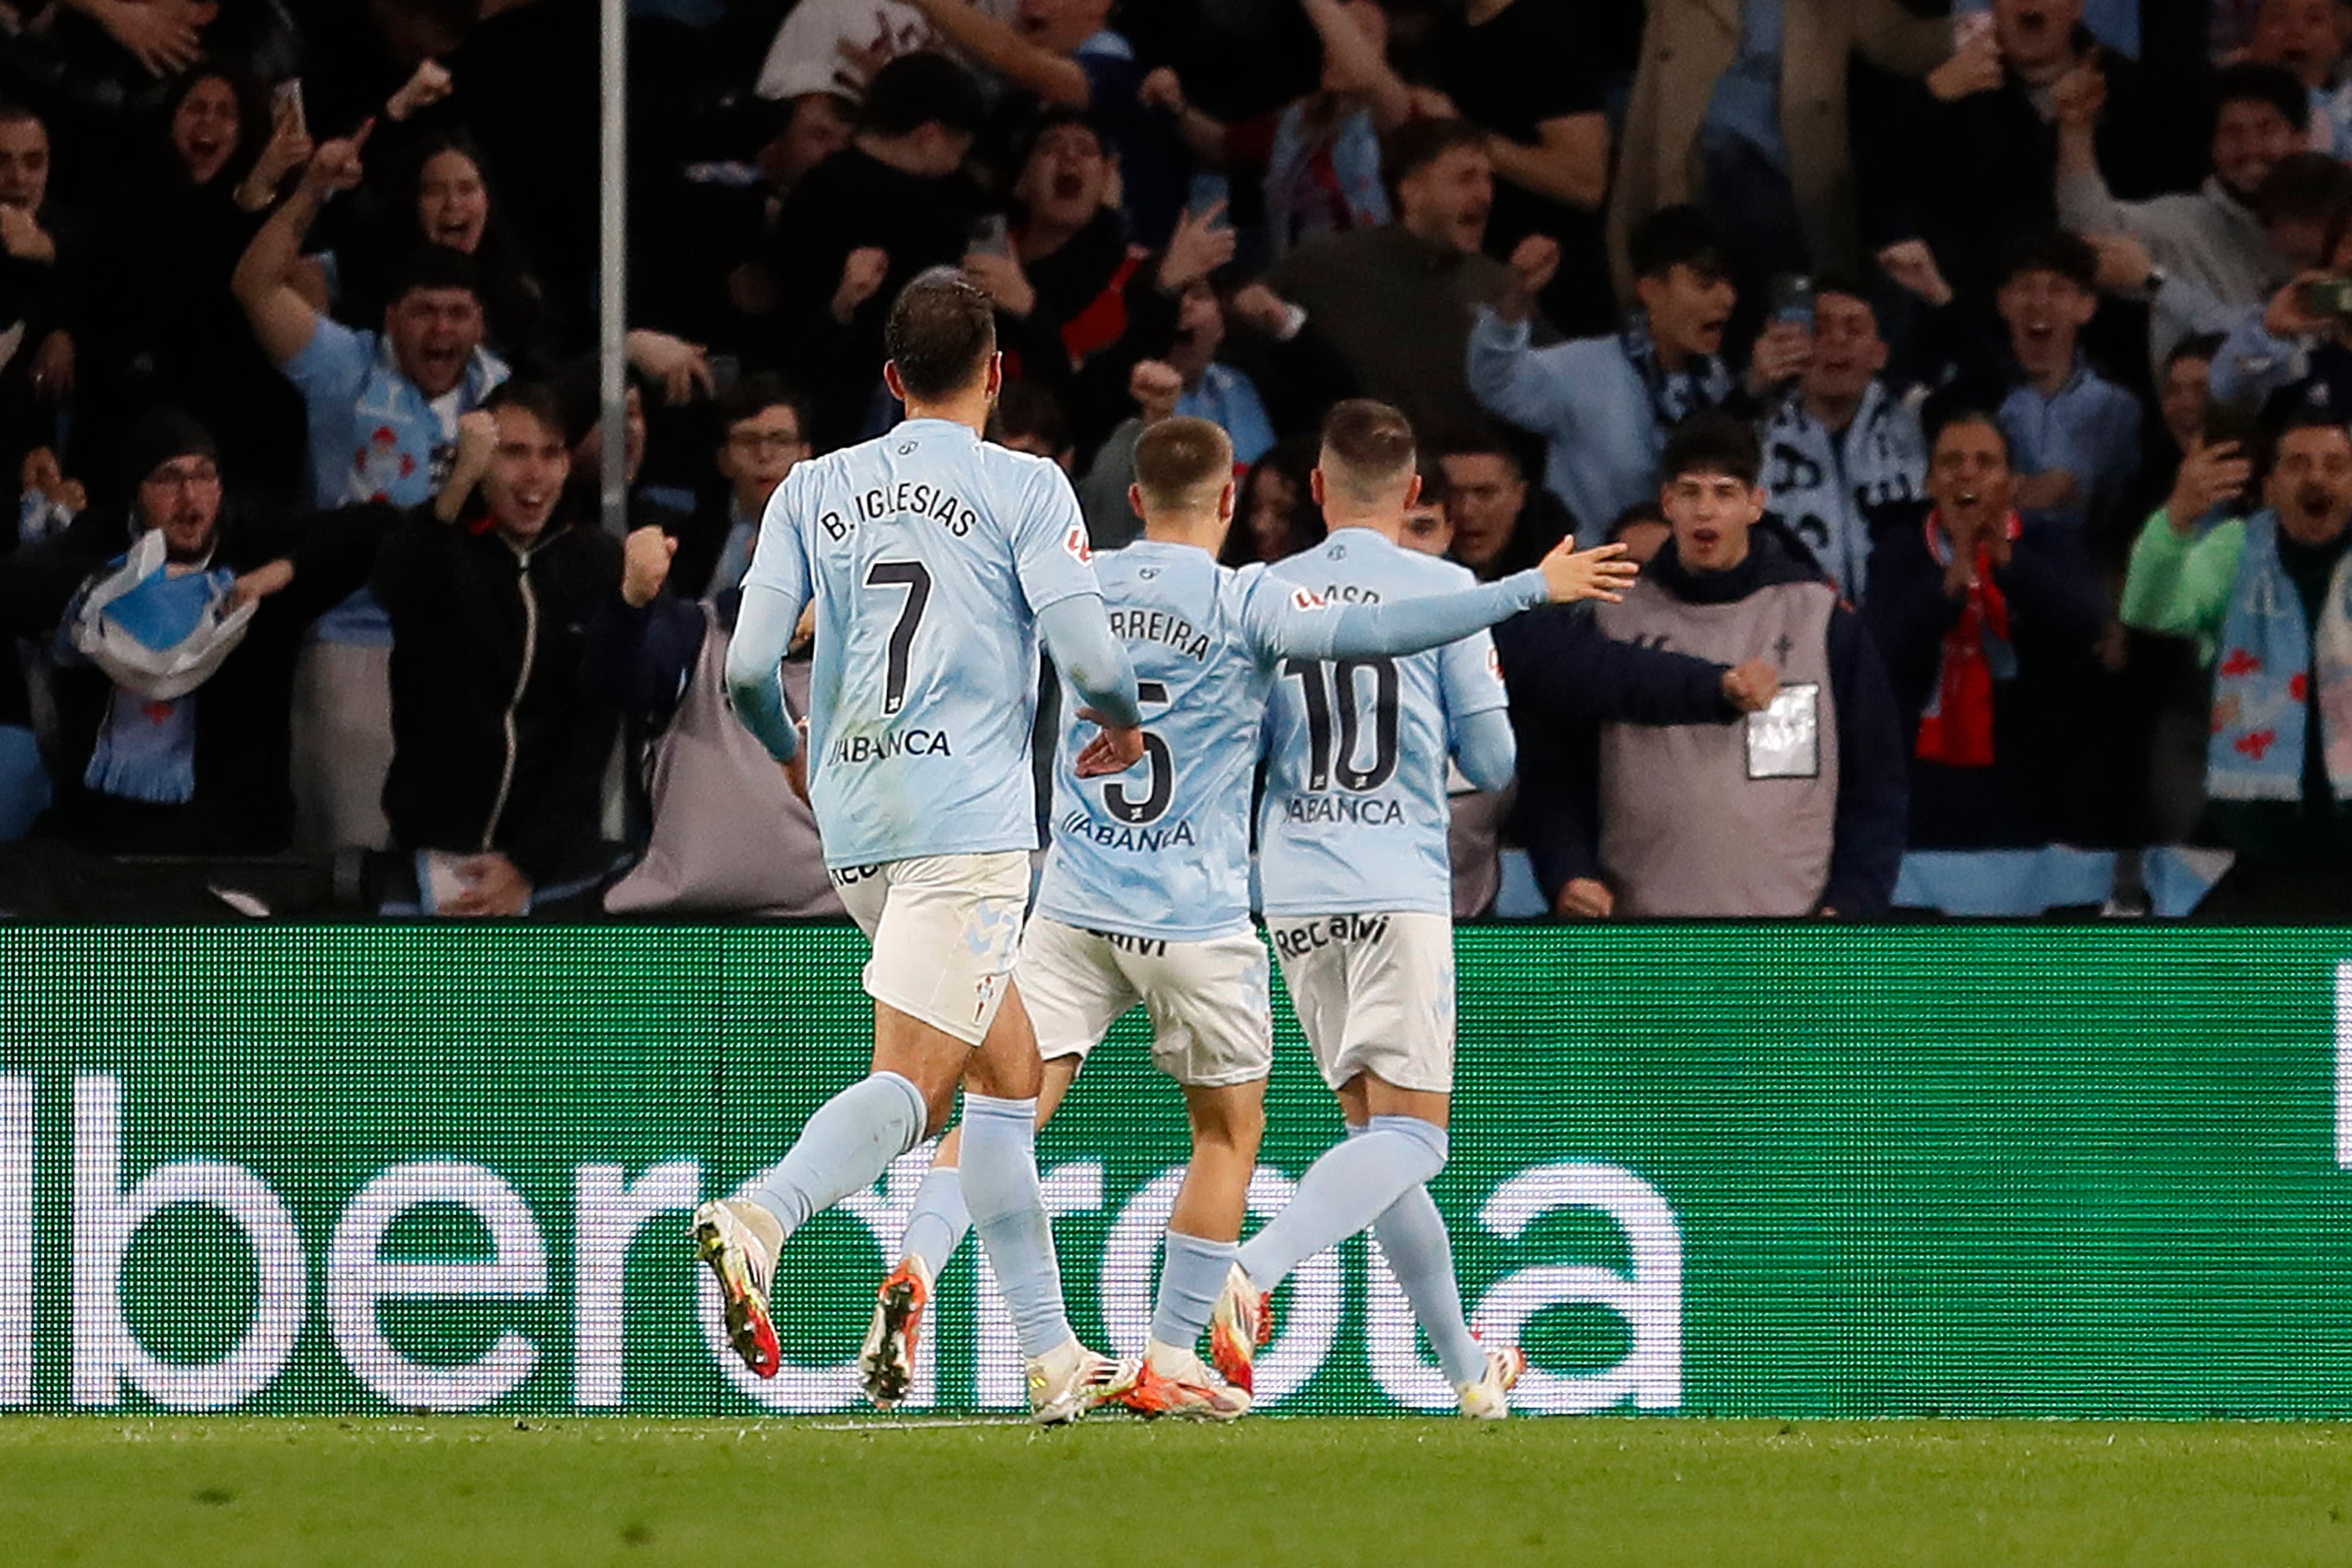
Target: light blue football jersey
x: 929, y: 553
x: 1355, y: 814
x: 1162, y: 849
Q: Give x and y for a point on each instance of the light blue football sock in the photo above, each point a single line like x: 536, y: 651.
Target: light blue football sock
x: 939, y: 1221
x: 1412, y: 1237
x: 1008, y: 1210
x: 1191, y: 1272
x: 1343, y: 1193
x: 845, y: 1147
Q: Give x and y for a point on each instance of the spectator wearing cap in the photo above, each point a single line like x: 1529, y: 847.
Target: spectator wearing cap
x: 1843, y: 449
x: 1986, y: 617
x: 1604, y: 406
x: 1392, y: 305
x: 1498, y: 522
x: 499, y: 753
x: 151, y: 769
x: 2187, y: 253
x: 2268, y: 598
x: 862, y: 225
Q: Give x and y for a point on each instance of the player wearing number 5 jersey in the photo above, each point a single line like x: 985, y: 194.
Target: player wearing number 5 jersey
x: 1146, y: 892
x: 1358, y: 900
x: 935, y: 563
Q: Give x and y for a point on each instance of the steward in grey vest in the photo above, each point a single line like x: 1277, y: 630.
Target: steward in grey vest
x: 1797, y: 809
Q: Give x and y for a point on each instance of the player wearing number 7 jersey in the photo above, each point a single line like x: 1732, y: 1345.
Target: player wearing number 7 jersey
x: 935, y: 563
x: 1146, y: 892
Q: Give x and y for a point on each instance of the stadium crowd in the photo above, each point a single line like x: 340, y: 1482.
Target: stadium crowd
x: 2014, y: 345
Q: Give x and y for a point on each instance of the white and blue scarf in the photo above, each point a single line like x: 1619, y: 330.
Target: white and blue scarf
x: 1702, y: 384
x: 1826, y: 484
x: 2262, y: 678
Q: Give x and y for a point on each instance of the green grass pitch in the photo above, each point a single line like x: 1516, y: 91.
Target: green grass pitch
x: 455, y: 1491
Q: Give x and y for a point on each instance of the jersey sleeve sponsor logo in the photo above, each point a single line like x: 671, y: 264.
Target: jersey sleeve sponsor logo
x: 1075, y: 541
x: 1309, y: 599
x: 1493, y: 663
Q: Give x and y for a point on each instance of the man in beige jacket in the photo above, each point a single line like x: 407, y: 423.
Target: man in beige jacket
x: 1689, y: 47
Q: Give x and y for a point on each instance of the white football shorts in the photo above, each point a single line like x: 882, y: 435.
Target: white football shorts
x: 1373, y: 993
x: 945, y: 929
x: 1212, y: 1022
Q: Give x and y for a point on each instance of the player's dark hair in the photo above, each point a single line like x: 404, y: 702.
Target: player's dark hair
x: 918, y: 90
x: 1712, y: 444
x: 940, y: 334
x: 1177, y: 458
x: 13, y: 112
x: 2250, y: 82
x: 1417, y: 143
x: 1676, y: 236
x: 536, y: 398
x: 1367, y: 447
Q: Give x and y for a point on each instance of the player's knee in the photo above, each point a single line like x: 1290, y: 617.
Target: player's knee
x: 1229, y: 1119
x: 1426, y: 1137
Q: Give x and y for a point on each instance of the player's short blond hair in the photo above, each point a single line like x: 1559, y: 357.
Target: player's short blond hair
x: 1368, y: 450
x: 1182, y: 463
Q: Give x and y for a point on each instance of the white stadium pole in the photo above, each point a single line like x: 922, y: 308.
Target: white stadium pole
x: 612, y: 282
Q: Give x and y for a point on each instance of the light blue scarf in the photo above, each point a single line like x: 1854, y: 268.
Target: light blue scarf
x: 2262, y: 675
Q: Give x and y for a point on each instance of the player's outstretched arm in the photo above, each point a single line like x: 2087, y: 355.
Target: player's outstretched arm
x: 1298, y: 624
x: 755, y: 682
x: 1078, y: 635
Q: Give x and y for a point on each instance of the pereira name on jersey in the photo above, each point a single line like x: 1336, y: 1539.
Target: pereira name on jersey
x: 929, y: 555
x: 1161, y: 851
x: 1355, y: 814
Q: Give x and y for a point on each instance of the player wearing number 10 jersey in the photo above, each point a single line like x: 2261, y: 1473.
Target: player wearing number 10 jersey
x: 1146, y: 892
x: 1358, y: 900
x: 935, y: 563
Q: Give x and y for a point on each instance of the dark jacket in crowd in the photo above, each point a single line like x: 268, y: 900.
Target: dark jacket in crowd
x: 1564, y: 678
x: 850, y: 202
x: 496, y: 743
x: 243, y: 804
x: 1099, y: 310
x: 2056, y: 611
x: 1972, y: 175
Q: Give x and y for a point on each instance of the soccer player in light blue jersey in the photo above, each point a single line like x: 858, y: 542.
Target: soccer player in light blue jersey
x: 1146, y: 893
x: 1357, y: 899
x: 935, y: 563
